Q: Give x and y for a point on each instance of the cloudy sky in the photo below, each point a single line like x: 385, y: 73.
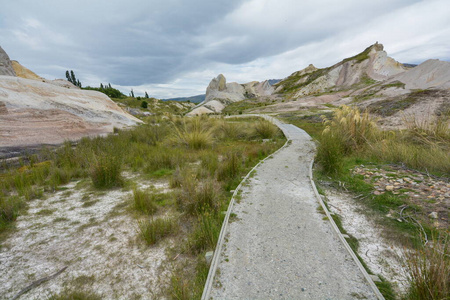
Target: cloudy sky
x: 173, y: 48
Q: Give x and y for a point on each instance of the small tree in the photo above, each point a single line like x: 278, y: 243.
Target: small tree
x: 144, y: 104
x: 146, y: 95
x: 132, y: 93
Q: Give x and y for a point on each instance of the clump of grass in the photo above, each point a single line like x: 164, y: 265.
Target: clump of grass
x: 106, y: 171
x: 347, y: 132
x: 205, y: 235
x: 144, y: 202
x: 180, y: 287
x: 230, y: 166
x: 264, y: 129
x: 197, y: 197
x: 429, y: 129
x: 195, y: 134
x: 330, y: 154
x: 153, y: 230
x: 428, y: 271
x: 229, y: 130
x: 164, y: 158
x: 355, y: 129
x: 9, y: 209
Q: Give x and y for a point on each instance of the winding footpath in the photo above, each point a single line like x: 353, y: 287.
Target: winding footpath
x: 277, y: 244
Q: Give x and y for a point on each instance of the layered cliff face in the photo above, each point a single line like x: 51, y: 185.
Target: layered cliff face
x: 39, y: 111
x: 219, y: 94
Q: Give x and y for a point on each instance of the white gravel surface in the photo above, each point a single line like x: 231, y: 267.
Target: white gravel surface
x: 279, y: 246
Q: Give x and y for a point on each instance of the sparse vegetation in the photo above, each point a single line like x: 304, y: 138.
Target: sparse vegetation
x: 201, y: 173
x: 351, y: 138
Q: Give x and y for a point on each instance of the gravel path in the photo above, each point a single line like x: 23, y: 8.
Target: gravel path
x: 279, y: 246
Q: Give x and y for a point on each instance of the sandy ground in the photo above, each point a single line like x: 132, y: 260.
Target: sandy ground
x: 279, y: 246
x: 381, y: 256
x: 92, y: 233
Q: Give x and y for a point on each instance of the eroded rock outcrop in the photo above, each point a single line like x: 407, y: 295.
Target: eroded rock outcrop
x: 371, y: 64
x: 219, y: 94
x: 6, y: 67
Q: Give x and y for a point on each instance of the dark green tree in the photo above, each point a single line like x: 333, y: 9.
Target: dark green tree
x: 144, y: 104
x: 146, y: 95
x: 68, y: 76
x: 101, y: 86
x: 72, y: 76
x: 132, y: 93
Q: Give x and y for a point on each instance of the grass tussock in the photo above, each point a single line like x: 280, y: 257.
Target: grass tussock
x: 194, y: 133
x: 154, y: 230
x: 106, y: 171
x: 265, y: 129
x: 197, y: 197
x: 205, y: 235
x: 144, y: 202
x: 428, y: 271
x: 230, y: 130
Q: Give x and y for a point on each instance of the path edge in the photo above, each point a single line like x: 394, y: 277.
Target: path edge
x: 216, y: 256
x: 341, y: 237
x: 220, y: 242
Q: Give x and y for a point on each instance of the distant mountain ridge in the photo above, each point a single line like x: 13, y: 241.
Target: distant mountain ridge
x: 193, y: 99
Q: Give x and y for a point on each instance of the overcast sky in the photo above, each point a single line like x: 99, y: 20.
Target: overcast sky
x: 174, y: 48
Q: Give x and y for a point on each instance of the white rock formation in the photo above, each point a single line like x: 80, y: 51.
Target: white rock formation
x: 35, y: 112
x: 219, y: 94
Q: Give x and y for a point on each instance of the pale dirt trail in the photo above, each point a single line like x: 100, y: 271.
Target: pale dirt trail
x: 280, y: 246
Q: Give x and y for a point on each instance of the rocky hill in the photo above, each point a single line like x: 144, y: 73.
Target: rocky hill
x: 370, y: 79
x: 39, y: 111
x: 219, y: 94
